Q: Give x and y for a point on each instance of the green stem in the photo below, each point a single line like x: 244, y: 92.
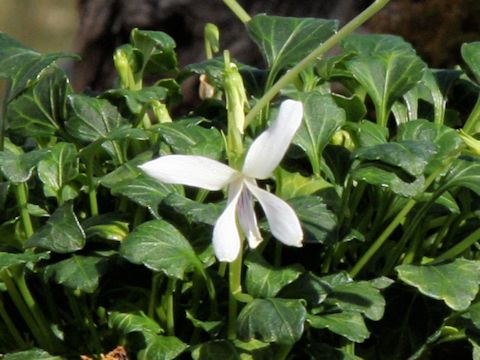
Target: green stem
x: 170, y: 323
x: 22, y: 202
x: 391, y: 227
x: 3, y: 113
x: 283, y: 351
x: 235, y: 284
x: 460, y: 247
x: 471, y: 125
x: 153, y: 294
x: 293, y: 73
x: 238, y: 10
x: 92, y: 190
x: 12, y: 329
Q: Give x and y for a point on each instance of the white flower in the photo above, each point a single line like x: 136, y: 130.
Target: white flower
x: 262, y: 158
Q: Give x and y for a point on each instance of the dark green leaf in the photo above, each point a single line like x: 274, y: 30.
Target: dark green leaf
x: 187, y: 137
x: 91, y: 119
x: 463, y: 173
x: 264, y: 280
x: 272, y: 320
x: 135, y: 100
x: 370, y: 44
x: 40, y: 109
x: 78, y: 272
x: 211, y: 327
x: 214, y: 350
x: 22, y: 65
x: 193, y: 210
x: 319, y: 223
x: 9, y: 259
x: 127, y: 171
x: 321, y: 119
x: 157, y: 50
x: 325, y: 352
x: 62, y: 233
x: 448, y: 141
x: 471, y: 55
x: 130, y: 322
x: 290, y: 185
x: 284, y: 41
x: 409, y: 155
x: 32, y: 354
x: 350, y: 325
x: 162, y: 348
x: 368, y: 133
x: 18, y: 167
x: 354, y: 107
x: 106, y: 226
x: 387, y: 178
x: 58, y: 168
x: 161, y: 247
x: 455, y: 282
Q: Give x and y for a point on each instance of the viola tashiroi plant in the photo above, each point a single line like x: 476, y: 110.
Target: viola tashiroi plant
x: 262, y: 158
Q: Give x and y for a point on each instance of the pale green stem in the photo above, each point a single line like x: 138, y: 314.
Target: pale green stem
x: 12, y: 329
x: 291, y: 75
x: 377, y: 244
x: 235, y: 284
x: 460, y: 247
x: 169, y: 306
x: 22, y: 202
x: 92, y: 191
x: 153, y: 294
x: 238, y: 10
x: 472, y: 125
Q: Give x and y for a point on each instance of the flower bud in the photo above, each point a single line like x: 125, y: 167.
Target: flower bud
x: 212, y: 39
x: 205, y: 89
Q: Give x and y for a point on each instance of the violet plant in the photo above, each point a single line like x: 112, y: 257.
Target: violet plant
x: 126, y: 226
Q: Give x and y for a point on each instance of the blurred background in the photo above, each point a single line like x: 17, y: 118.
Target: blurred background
x: 94, y: 28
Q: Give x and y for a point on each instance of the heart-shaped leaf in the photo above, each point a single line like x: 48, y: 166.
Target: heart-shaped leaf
x: 162, y: 348
x: 217, y: 349
x: 264, y: 280
x: 78, y: 272
x: 10, y: 259
x: 369, y: 44
x: 36, y: 354
x: 135, y: 100
x: 127, y: 323
x: 350, y: 325
x: 161, y: 247
x: 272, y: 320
x: 455, y: 282
x: 62, y: 233
x: 18, y: 167
x: 285, y: 41
x: 40, y: 109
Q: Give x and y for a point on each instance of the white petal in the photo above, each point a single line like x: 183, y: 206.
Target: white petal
x: 268, y: 149
x: 226, y: 239
x: 248, y: 219
x: 283, y: 221
x: 189, y: 170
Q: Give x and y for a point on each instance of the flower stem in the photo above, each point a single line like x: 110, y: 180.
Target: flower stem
x: 472, y: 125
x: 170, y: 321
x: 460, y: 247
x: 22, y: 202
x: 92, y: 191
x: 293, y: 73
x: 12, y: 329
x: 238, y: 10
x: 235, y: 284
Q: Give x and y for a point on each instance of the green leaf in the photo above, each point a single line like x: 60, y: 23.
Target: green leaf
x: 284, y: 41
x: 91, y: 119
x: 127, y: 171
x: 18, y: 168
x: 10, y: 259
x: 388, y: 178
x: 471, y: 56
x: 318, y: 222
x: 78, y: 272
x: 22, y: 65
x: 40, y: 109
x: 325, y: 352
x: 348, y: 324
x: 321, y: 119
x: 463, y: 173
x: 135, y: 100
x: 211, y: 327
x: 368, y: 133
x: 409, y: 155
x: 354, y: 107
x: 448, y: 142
x: 58, y: 168
x: 290, y: 185
x: 161, y: 247
x: 214, y: 350
x: 272, y: 320
x: 264, y: 280
x: 106, y: 226
x: 157, y: 50
x: 31, y: 354
x: 188, y: 137
x: 455, y: 282
x: 127, y: 323
x: 193, y: 210
x: 386, y: 76
x: 162, y: 348
x: 370, y: 44
x: 62, y: 233
x: 144, y: 190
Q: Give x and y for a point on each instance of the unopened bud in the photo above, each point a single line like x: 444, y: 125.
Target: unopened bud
x: 205, y: 89
x: 343, y: 138
x: 212, y: 39
x: 123, y: 61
